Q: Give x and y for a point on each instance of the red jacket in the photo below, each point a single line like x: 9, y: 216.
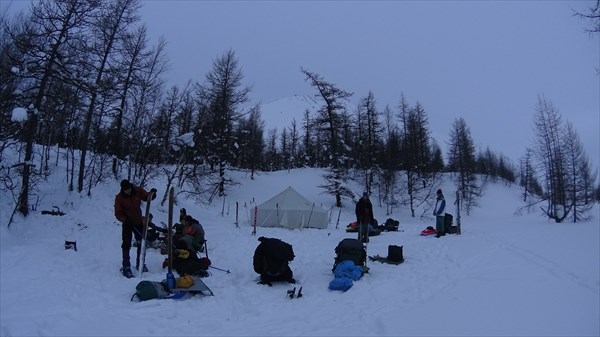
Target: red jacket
x: 128, y: 207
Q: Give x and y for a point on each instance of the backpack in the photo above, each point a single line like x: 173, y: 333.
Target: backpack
x: 350, y: 249
x: 448, y: 223
x: 391, y: 224
x: 147, y: 290
x: 271, y: 259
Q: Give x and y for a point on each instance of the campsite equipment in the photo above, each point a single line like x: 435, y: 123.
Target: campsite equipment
x: 457, y: 203
x: 448, y: 223
x: 391, y: 225
x: 345, y: 273
x: 289, y: 209
x: 271, y: 260
x: 374, y: 230
x: 145, y: 234
x: 147, y: 290
x: 350, y: 249
x: 210, y: 265
x: 395, y: 255
x: 71, y: 245
x: 170, y: 276
x: 291, y: 293
x: 199, y: 287
x: 337, y: 223
x: 227, y: 271
x: 54, y: 211
x: 428, y: 231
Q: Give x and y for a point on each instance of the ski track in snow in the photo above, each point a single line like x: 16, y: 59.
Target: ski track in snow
x: 549, y: 266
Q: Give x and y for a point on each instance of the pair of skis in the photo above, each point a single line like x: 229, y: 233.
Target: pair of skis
x: 145, y: 234
x: 292, y: 293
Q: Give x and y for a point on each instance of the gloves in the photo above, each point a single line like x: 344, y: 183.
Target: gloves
x: 153, y: 191
x: 204, y: 262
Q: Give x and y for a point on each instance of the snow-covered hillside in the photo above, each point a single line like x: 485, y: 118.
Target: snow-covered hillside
x: 506, y: 275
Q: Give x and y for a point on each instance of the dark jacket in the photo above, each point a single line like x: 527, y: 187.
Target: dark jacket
x: 364, y: 211
x: 128, y: 207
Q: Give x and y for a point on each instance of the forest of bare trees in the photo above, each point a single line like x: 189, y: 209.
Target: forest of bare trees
x: 92, y: 86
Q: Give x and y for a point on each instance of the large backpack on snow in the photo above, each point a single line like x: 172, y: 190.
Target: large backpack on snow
x: 350, y: 249
x: 271, y: 260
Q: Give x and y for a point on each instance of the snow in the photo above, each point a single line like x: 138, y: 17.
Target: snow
x: 506, y: 275
x: 19, y: 115
x: 187, y: 139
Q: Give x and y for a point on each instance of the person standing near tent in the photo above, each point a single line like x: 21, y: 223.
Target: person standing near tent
x: 364, y: 216
x: 438, y: 211
x: 128, y: 210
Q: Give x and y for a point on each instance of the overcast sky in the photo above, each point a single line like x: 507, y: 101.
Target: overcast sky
x: 485, y: 61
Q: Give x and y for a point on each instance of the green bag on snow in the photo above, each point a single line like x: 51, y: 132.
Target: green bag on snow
x: 147, y: 290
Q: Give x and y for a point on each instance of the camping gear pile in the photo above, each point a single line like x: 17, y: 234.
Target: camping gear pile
x: 447, y: 228
x: 272, y: 256
x: 189, y: 241
x: 390, y: 225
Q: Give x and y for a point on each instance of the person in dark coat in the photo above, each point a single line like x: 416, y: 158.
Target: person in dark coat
x: 364, y: 217
x: 128, y: 211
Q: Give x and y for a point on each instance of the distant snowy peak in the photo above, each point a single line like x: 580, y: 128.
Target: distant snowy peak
x: 279, y: 114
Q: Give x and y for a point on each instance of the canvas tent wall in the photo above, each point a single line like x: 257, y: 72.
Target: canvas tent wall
x: 289, y: 209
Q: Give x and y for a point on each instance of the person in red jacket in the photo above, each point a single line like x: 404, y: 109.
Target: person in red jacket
x: 128, y: 210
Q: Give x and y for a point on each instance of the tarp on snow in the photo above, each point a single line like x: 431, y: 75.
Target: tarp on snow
x: 289, y: 209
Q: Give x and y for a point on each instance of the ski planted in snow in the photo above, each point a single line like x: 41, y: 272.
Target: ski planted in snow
x: 145, y: 234
x: 170, y: 275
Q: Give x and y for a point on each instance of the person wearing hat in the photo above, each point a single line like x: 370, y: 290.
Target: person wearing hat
x: 438, y: 211
x: 128, y: 211
x: 364, y: 216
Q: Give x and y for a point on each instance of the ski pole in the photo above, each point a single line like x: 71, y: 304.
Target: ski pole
x: 227, y: 271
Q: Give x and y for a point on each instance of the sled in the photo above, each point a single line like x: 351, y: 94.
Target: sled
x: 199, y: 287
x: 428, y: 231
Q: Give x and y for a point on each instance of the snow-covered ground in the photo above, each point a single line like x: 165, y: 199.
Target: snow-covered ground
x: 506, y: 275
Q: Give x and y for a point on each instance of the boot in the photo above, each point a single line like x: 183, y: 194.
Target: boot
x: 144, y: 269
x: 126, y: 270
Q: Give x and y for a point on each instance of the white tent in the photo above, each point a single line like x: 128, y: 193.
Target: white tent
x: 289, y: 209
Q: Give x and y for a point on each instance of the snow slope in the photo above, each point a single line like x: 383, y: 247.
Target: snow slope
x: 506, y: 275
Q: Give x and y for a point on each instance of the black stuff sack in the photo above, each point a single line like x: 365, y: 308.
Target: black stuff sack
x: 395, y: 253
